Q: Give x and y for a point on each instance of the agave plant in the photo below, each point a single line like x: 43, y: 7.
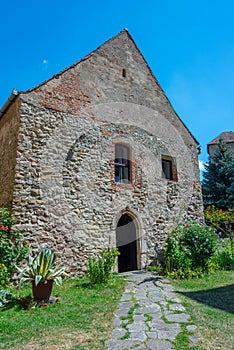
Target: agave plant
x: 41, y: 268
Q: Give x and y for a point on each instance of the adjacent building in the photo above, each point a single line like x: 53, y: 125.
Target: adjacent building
x: 227, y: 137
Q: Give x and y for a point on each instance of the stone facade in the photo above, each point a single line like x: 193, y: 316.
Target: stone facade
x: 65, y: 194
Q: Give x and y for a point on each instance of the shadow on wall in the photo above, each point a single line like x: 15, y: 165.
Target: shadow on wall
x: 219, y: 298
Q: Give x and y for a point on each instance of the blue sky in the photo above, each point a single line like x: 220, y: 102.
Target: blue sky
x: 189, y: 46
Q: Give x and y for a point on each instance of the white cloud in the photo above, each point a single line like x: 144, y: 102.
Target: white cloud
x: 45, y: 61
x: 201, y: 165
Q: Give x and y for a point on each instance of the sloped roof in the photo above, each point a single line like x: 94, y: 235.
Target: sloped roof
x: 227, y: 136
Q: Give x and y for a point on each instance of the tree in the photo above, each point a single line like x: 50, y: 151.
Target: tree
x: 218, y: 179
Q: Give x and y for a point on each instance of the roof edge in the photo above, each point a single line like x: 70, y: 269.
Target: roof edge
x: 8, y: 102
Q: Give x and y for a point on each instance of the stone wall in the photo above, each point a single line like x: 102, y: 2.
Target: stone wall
x: 65, y: 196
x: 9, y: 125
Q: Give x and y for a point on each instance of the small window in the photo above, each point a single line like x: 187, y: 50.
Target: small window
x: 169, y: 171
x: 122, y: 164
x: 124, y: 73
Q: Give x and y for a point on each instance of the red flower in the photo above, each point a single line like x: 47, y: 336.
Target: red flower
x: 4, y: 228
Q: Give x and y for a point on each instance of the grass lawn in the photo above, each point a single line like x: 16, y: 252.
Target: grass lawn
x: 81, y: 320
x: 210, y: 303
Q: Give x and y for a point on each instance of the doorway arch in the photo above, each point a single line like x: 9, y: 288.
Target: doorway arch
x: 127, y: 243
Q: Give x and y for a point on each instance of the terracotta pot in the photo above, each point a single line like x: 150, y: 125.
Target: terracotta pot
x: 43, y: 290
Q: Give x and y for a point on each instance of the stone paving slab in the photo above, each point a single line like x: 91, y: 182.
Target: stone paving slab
x: 158, y: 345
x: 182, y: 318
x: 155, y: 318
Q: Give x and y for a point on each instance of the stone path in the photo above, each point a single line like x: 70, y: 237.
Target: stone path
x: 149, y: 316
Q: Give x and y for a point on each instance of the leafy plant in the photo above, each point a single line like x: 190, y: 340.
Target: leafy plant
x: 155, y: 268
x: 176, y: 258
x: 188, y: 250
x: 4, y: 275
x: 13, y: 248
x: 5, y: 296
x: 41, y: 268
x: 99, y: 269
x: 224, y: 255
x: 200, y: 242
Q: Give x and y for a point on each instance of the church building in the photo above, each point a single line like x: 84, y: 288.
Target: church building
x: 97, y: 157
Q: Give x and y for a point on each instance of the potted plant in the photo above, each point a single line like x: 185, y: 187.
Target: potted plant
x: 41, y: 271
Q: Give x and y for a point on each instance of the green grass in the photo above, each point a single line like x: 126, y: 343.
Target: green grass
x: 82, y: 319
x: 210, y: 303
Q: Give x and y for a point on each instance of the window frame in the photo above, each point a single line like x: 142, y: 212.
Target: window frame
x: 171, y: 163
x: 124, y: 165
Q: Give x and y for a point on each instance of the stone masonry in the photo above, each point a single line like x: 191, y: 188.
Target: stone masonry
x: 58, y: 145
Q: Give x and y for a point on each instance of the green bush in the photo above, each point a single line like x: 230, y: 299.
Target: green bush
x: 200, y: 242
x: 176, y: 258
x: 224, y: 255
x: 99, y: 269
x: 13, y: 248
x: 189, y: 247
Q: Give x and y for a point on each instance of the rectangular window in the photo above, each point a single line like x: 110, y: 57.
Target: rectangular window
x: 122, y: 164
x: 169, y: 171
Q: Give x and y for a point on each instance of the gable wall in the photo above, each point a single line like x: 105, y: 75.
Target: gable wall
x: 98, y: 79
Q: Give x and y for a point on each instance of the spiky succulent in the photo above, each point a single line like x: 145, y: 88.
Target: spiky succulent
x: 41, y: 268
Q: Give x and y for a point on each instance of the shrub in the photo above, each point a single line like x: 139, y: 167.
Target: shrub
x: 99, y: 269
x: 13, y: 249
x: 200, y: 242
x: 176, y: 258
x: 224, y: 255
x: 188, y: 249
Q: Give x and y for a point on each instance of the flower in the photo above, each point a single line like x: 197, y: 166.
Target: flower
x: 4, y: 228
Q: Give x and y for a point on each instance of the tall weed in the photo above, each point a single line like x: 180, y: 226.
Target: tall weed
x: 100, y: 268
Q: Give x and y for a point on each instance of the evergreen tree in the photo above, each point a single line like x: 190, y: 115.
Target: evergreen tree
x: 218, y: 179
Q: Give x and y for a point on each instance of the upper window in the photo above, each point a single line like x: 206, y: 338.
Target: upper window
x: 122, y: 164
x: 169, y: 168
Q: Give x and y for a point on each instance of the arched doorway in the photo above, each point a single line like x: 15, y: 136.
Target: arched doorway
x: 126, y: 242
